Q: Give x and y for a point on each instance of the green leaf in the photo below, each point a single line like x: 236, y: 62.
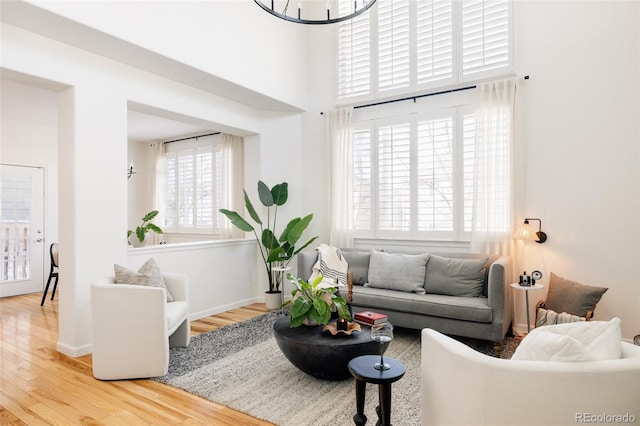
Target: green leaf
x: 129, y: 232
x: 140, y: 234
x: 288, y: 228
x: 269, y: 241
x: 300, y: 308
x: 296, y: 232
x: 304, y: 246
x: 237, y: 220
x: 280, y: 193
x: 296, y: 322
x: 154, y: 228
x: 341, y: 307
x: 150, y: 215
x: 266, y: 198
x: 276, y: 255
x: 251, y: 210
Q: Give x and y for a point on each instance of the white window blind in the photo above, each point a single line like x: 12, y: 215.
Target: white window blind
x: 393, y: 44
x: 435, y: 175
x: 354, y: 58
x: 434, y: 40
x: 394, y: 177
x: 404, y: 46
x: 414, y: 175
x: 193, y: 187
x: 485, y: 35
x: 362, y: 179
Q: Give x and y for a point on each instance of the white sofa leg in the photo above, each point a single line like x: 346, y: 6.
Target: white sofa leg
x: 181, y: 337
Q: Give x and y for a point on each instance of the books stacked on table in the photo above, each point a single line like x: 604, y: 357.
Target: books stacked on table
x: 369, y: 318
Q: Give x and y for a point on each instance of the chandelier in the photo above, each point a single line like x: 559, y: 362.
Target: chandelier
x: 327, y: 13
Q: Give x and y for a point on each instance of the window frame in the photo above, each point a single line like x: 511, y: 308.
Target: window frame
x: 212, y: 144
x: 458, y: 78
x: 456, y: 107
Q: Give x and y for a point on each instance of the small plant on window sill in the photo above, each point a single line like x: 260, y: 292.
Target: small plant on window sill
x: 137, y: 238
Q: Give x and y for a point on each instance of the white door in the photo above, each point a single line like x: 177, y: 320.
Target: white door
x: 22, y: 240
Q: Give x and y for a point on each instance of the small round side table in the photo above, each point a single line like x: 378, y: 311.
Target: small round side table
x: 362, y: 370
x: 526, y: 289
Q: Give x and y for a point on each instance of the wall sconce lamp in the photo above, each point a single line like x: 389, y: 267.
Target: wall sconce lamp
x: 130, y: 171
x: 526, y: 233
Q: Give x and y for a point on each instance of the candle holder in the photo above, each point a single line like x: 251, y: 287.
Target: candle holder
x: 342, y: 324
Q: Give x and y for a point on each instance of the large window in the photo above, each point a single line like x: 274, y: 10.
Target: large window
x: 413, y: 175
x: 193, y: 186
x: 404, y: 46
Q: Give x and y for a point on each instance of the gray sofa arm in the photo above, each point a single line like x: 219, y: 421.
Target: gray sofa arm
x: 306, y: 260
x: 498, y: 289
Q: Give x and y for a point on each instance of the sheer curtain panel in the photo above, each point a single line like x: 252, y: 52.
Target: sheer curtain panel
x: 341, y: 178
x: 158, y: 194
x: 233, y: 178
x: 493, y: 192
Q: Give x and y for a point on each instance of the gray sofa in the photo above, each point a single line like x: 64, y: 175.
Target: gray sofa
x: 460, y: 294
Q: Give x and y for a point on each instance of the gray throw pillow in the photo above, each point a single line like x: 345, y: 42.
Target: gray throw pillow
x: 148, y: 275
x: 572, y: 297
x: 396, y: 271
x: 455, y: 277
x: 358, y: 262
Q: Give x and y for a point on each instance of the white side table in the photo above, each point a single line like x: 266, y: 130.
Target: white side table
x: 526, y: 289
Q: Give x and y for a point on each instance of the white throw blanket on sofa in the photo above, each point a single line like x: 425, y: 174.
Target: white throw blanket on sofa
x: 549, y: 317
x: 331, y: 265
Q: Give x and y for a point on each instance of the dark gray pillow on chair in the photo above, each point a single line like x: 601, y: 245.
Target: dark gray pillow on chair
x: 572, y: 297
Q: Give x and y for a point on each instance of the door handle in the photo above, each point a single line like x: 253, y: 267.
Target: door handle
x: 39, y: 240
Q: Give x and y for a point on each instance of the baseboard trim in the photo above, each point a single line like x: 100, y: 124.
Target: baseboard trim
x: 74, y: 351
x: 223, y: 308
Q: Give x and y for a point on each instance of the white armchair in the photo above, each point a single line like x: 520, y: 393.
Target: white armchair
x: 461, y: 386
x: 134, y: 326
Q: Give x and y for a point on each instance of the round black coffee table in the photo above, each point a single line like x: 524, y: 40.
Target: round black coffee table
x: 320, y: 355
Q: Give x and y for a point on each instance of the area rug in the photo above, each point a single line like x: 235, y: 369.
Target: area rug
x: 241, y: 366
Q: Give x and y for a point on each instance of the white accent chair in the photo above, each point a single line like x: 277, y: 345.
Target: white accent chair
x: 461, y: 386
x: 134, y: 326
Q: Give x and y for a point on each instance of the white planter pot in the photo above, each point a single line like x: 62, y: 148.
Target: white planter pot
x: 134, y: 241
x: 273, y: 300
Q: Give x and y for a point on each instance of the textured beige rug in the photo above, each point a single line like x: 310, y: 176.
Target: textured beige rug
x: 257, y: 379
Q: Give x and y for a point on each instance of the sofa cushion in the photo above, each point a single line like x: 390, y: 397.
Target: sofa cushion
x: 578, y: 341
x: 455, y: 277
x: 397, y: 271
x: 148, y: 275
x: 474, y: 309
x: 572, y: 297
x: 358, y: 265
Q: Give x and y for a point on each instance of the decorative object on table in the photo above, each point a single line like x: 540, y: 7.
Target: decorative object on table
x: 524, y: 232
x: 526, y: 280
x: 332, y: 328
x: 137, y: 238
x: 382, y: 333
x: 312, y: 303
x: 370, y: 318
x: 276, y: 252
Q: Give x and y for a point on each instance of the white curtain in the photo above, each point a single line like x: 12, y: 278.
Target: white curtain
x: 233, y: 176
x: 158, y: 194
x: 341, y: 178
x: 493, y: 196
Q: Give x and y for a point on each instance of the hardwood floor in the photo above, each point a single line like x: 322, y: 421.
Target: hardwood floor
x: 40, y: 386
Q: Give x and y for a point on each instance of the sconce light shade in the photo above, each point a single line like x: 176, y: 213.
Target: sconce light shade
x: 525, y: 232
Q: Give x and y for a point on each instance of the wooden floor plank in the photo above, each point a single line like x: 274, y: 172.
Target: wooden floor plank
x: 40, y: 386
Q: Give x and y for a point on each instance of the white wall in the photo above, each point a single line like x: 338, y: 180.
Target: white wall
x: 578, y: 123
x: 233, y: 40
x: 219, y: 279
x: 93, y: 150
